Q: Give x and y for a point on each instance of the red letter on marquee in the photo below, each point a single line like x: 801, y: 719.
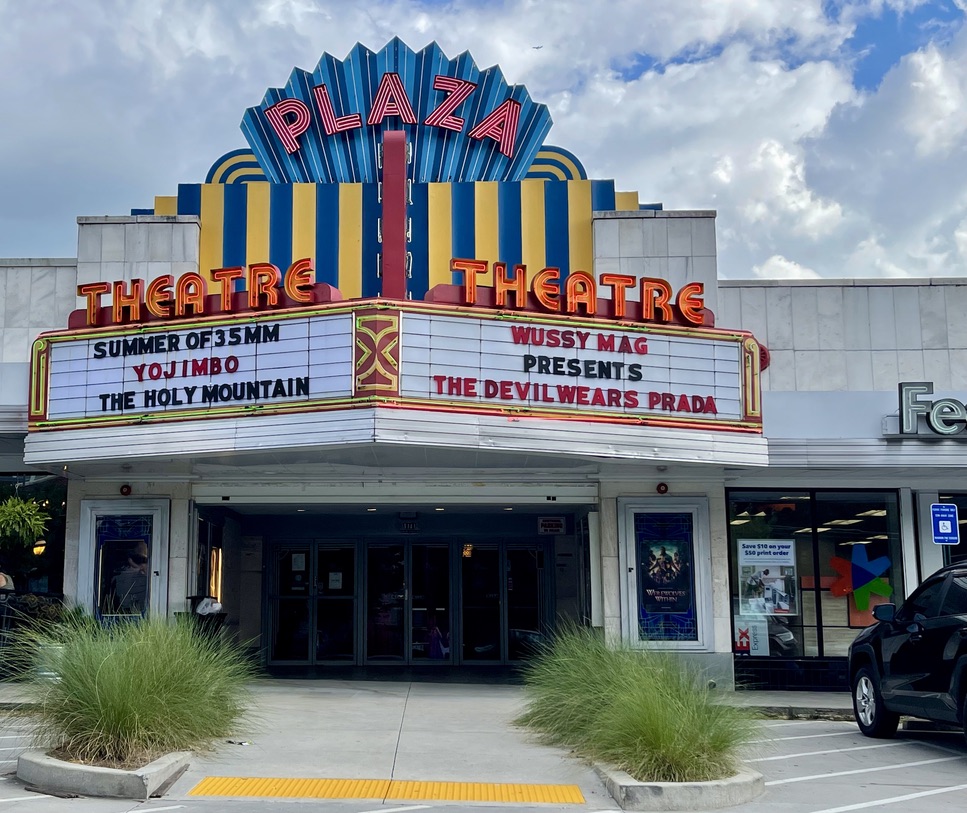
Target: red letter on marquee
x: 501, y: 126
x: 330, y: 122
x: 288, y: 131
x: 471, y: 269
x: 93, y: 291
x: 459, y: 90
x: 391, y: 100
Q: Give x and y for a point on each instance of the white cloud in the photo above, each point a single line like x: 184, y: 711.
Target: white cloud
x: 779, y: 267
x: 752, y: 112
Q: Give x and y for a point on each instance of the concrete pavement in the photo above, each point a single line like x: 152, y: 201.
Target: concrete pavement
x: 416, y: 732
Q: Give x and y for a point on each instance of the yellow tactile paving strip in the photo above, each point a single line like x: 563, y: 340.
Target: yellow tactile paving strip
x: 387, y: 790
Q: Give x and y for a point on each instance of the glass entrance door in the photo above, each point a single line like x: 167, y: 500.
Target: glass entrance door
x: 418, y: 602
x: 504, y: 602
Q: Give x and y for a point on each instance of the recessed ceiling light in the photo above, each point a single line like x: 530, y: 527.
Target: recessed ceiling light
x: 300, y: 510
x: 843, y: 521
x: 370, y: 509
x: 873, y: 512
x: 508, y: 509
x: 739, y: 521
x: 439, y: 509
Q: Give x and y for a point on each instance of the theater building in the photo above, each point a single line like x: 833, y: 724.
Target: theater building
x: 399, y: 385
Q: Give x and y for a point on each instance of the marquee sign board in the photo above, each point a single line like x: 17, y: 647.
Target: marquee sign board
x: 405, y: 355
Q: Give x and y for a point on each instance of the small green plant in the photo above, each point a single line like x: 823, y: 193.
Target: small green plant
x: 125, y: 694
x: 643, y: 712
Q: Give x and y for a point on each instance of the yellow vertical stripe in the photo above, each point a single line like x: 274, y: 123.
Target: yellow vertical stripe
x: 580, y: 242
x: 486, y: 239
x: 257, y: 223
x: 212, y: 237
x: 532, y: 225
x: 166, y: 205
x: 351, y: 240
x: 626, y: 201
x: 303, y: 221
x: 440, y: 223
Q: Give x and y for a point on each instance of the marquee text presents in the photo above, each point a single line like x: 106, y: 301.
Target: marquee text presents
x: 413, y: 355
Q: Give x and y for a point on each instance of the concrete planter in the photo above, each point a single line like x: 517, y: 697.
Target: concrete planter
x: 54, y: 775
x: 631, y: 794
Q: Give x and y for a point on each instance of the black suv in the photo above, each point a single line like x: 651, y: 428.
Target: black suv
x: 914, y: 661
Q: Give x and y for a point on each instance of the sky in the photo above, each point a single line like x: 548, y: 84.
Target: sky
x: 829, y: 135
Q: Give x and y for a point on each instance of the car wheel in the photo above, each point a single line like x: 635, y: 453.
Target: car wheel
x: 872, y: 716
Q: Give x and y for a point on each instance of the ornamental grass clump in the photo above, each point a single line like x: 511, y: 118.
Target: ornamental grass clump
x: 642, y: 712
x: 125, y: 694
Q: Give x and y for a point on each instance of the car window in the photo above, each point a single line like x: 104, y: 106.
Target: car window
x: 925, y: 600
x: 955, y: 602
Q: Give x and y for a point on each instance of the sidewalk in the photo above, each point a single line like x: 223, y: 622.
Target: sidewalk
x: 411, y: 733
x: 422, y: 732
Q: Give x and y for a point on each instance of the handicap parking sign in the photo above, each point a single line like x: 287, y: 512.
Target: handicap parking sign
x: 943, y: 518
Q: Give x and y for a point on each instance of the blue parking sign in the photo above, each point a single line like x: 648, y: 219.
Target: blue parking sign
x: 946, y: 530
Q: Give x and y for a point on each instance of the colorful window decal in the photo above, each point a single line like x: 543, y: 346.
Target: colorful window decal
x: 860, y: 577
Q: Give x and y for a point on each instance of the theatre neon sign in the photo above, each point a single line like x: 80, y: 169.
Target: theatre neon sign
x: 266, y: 288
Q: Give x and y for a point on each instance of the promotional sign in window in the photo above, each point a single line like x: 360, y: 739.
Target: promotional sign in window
x: 664, y: 545
x: 752, y: 636
x: 767, y: 577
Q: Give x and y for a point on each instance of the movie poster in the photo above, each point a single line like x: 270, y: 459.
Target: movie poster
x: 666, y: 586
x: 767, y: 577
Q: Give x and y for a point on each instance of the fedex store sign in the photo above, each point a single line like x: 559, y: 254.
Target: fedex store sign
x: 944, y: 416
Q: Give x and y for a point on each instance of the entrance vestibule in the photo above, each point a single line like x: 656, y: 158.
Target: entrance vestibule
x: 406, y: 600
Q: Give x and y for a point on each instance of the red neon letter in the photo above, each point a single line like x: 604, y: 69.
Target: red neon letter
x: 618, y: 283
x: 501, y: 126
x: 504, y: 285
x: 471, y: 269
x: 131, y: 301
x: 459, y: 90
x: 190, y: 290
x: 690, y: 302
x: 226, y: 276
x: 391, y: 100
x: 579, y: 289
x: 93, y: 291
x: 287, y: 131
x: 330, y: 123
x: 299, y: 280
x: 263, y: 279
x: 655, y: 293
x: 546, y: 287
x: 158, y: 296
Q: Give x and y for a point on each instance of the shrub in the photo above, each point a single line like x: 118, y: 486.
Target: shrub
x: 644, y: 712
x: 125, y: 694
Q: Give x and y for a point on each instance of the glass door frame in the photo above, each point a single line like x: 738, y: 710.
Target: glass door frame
x: 272, y: 598
x: 545, y: 550
x: 363, y: 606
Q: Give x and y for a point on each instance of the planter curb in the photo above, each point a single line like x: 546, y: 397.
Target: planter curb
x: 631, y: 794
x: 49, y: 774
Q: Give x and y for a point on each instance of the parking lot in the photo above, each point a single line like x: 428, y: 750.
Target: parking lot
x: 829, y: 767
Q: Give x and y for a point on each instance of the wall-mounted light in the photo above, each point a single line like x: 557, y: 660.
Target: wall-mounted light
x: 467, y: 550
x: 40, y: 546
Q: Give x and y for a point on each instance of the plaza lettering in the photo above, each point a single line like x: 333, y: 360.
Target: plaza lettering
x: 290, y: 118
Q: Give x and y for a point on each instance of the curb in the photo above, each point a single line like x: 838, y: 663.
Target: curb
x: 51, y: 775
x: 631, y: 794
x: 802, y: 713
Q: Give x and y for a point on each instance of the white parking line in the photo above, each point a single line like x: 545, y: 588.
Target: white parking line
x: 823, y: 753
x: 861, y: 770
x: 391, y: 809
x: 800, y: 737
x: 36, y: 796
x: 893, y: 800
x: 807, y: 722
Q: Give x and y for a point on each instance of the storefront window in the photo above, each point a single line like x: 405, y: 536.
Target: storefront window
x: 38, y: 567
x: 808, y: 568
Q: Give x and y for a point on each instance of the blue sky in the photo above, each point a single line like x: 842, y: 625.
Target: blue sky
x: 828, y: 134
